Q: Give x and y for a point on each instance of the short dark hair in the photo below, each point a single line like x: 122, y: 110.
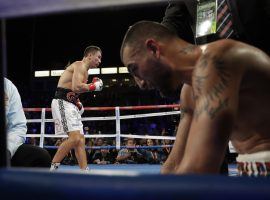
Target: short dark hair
x: 91, y: 49
x: 140, y: 31
x: 130, y: 139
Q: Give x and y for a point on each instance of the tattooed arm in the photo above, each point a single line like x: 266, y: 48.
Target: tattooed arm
x: 215, y: 86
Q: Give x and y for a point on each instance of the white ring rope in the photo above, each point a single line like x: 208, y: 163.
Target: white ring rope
x: 65, y: 136
x: 114, y: 118
x: 149, y: 137
x: 117, y: 118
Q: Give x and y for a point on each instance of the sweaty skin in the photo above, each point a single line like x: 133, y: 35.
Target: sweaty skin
x: 76, y: 75
x: 225, y: 97
x: 75, y: 78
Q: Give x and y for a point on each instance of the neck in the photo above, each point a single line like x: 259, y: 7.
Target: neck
x: 186, y: 57
x: 86, y: 63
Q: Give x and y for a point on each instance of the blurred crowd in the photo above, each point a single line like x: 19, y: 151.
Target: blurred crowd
x: 103, y: 151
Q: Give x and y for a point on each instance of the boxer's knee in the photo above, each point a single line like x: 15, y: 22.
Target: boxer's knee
x: 76, y: 138
x: 81, y: 141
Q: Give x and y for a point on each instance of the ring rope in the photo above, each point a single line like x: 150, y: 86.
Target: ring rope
x: 107, y: 136
x: 118, y: 134
x: 114, y: 147
x: 65, y: 136
x: 114, y: 117
x: 107, y: 108
x: 117, y: 119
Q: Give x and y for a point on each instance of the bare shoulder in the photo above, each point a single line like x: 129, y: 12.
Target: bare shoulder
x: 223, y: 56
x: 218, y: 69
x: 223, y: 49
x: 74, y: 66
x: 77, y: 64
x: 239, y: 53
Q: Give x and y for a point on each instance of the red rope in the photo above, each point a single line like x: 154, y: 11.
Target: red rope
x: 176, y: 106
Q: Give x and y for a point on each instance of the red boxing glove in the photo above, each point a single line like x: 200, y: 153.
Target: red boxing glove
x: 92, y: 87
x: 96, y: 85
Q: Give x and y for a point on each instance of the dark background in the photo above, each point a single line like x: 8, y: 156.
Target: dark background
x: 50, y: 42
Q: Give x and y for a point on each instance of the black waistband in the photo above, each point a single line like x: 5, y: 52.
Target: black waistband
x: 67, y: 95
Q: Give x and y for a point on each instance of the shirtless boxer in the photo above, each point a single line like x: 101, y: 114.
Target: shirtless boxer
x: 67, y: 108
x: 225, y: 96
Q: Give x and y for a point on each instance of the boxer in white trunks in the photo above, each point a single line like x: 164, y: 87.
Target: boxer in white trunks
x: 67, y: 108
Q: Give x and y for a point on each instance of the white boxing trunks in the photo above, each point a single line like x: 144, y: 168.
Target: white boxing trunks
x: 66, y: 117
x: 255, y: 164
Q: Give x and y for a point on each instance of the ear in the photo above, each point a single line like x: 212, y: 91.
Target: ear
x: 153, y: 46
x: 90, y: 56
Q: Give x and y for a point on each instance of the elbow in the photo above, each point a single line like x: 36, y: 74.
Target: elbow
x: 20, y: 129
x: 77, y: 88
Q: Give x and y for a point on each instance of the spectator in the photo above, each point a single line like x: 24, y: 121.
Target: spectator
x: 153, y: 155
x: 129, y: 155
x: 103, y: 156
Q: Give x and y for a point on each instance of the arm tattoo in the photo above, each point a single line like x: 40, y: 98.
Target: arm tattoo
x: 212, y: 111
x: 184, y: 111
x: 187, y: 49
x: 214, y: 100
x: 199, y: 82
x: 204, y: 61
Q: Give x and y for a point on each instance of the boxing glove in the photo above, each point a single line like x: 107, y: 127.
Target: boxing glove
x: 96, y: 85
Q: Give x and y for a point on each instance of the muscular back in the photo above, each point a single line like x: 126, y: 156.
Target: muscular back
x: 229, y: 86
x: 231, y: 82
x: 251, y: 131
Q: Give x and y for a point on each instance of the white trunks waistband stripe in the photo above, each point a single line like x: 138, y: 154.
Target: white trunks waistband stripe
x: 263, y: 156
x: 255, y: 164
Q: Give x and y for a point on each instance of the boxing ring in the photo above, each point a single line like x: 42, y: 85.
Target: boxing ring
x: 16, y: 183
x: 157, y: 111
x: 118, y: 136
x: 119, y: 181
x: 117, y: 117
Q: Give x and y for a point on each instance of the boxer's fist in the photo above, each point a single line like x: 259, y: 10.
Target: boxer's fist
x: 96, y: 85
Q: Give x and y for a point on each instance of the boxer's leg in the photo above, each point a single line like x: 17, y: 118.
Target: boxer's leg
x: 81, y: 153
x: 72, y: 141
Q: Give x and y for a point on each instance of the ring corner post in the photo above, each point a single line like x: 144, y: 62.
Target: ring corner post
x: 118, y: 129
x: 3, y: 137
